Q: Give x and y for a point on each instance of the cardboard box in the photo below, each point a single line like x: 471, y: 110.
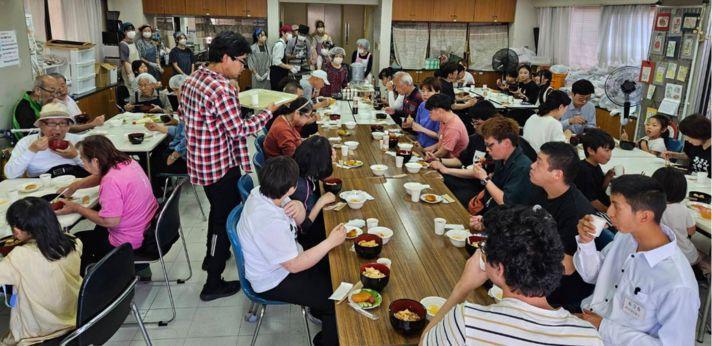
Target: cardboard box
x: 106, y: 74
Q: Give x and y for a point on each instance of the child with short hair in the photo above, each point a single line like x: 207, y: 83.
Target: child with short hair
x: 676, y: 215
x: 656, y: 130
x: 598, y: 147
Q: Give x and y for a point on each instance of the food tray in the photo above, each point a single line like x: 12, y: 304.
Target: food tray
x: 264, y: 98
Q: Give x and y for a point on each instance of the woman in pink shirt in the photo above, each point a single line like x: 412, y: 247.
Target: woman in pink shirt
x: 127, y: 202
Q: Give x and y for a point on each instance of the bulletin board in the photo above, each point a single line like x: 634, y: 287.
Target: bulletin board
x: 667, y: 73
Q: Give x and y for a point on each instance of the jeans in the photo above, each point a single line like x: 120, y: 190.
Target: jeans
x: 223, y: 197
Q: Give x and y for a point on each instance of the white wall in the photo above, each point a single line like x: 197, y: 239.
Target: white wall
x: 521, y: 32
x: 15, y: 79
x: 131, y: 11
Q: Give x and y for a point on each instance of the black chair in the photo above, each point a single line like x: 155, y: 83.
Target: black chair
x: 527, y: 149
x: 105, y: 299
x: 157, y: 243
x: 122, y: 97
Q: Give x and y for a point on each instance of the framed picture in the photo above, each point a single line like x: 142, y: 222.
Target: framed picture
x: 687, y: 50
x: 660, y: 74
x: 672, y: 47
x: 690, y: 21
x: 676, y: 26
x: 662, y: 21
x: 646, y: 71
x: 671, y: 70
x: 658, y: 43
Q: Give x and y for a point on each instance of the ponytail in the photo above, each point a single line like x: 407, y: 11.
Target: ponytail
x: 555, y: 99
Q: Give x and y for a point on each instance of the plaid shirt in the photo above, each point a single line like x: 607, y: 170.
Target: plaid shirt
x: 410, y: 104
x: 216, y: 133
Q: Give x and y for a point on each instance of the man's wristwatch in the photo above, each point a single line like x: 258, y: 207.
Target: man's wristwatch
x: 485, y: 181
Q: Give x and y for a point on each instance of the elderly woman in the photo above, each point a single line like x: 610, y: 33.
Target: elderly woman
x: 50, y: 151
x: 284, y: 135
x: 181, y: 57
x: 147, y: 98
x: 125, y: 196
x: 44, y: 270
x: 260, y: 60
x: 362, y: 54
x: 148, y: 51
x: 337, y: 73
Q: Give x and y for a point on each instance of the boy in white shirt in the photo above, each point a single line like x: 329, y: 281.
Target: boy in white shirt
x: 275, y: 264
x: 646, y: 293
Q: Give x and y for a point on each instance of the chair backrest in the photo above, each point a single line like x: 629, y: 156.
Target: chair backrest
x: 168, y: 224
x: 108, y: 288
x: 231, y: 226
x: 245, y: 185
x: 122, y: 95
x: 527, y: 149
x: 259, y: 143
x: 258, y: 161
x: 674, y: 144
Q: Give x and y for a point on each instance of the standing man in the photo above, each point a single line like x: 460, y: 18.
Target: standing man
x: 580, y: 113
x: 280, y: 69
x: 217, y: 146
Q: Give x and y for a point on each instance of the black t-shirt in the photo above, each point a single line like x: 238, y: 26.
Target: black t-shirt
x: 447, y: 88
x: 25, y: 115
x: 699, y: 158
x: 477, y: 143
x: 183, y: 57
x: 530, y: 90
x: 589, y: 181
x: 567, y: 210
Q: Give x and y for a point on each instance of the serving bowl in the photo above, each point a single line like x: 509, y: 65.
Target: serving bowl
x: 353, y: 145
x: 413, y: 167
x: 627, y: 145
x: 472, y: 243
x: 368, y: 252
x: 407, y: 328
x: 457, y: 237
x: 432, y: 305
x: 136, y: 137
x: 58, y: 144
x: 377, y: 135
x: 376, y: 284
x: 332, y: 185
x: 376, y: 128
x: 350, y: 125
x: 379, y: 170
x: 384, y: 232
x: 356, y: 202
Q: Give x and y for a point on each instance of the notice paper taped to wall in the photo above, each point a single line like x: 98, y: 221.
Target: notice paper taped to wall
x: 9, y: 51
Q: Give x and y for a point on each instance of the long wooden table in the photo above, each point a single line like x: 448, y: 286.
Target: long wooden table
x: 423, y: 263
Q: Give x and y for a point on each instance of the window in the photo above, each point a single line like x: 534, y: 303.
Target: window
x: 583, y: 39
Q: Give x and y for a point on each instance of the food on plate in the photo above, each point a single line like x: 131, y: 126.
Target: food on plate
x: 353, y: 163
x: 458, y: 237
x: 57, y: 205
x: 368, y: 243
x: 407, y: 315
x: 362, y: 296
x: 433, y: 309
x: 705, y: 211
x: 424, y: 164
x: 342, y: 132
x: 373, y: 273
x: 85, y: 200
x: 430, y: 198
x: 30, y: 187
x: 352, y: 233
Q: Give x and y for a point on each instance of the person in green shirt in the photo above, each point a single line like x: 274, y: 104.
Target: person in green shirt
x: 27, y: 109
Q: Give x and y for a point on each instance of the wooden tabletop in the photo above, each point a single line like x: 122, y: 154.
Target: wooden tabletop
x: 423, y: 263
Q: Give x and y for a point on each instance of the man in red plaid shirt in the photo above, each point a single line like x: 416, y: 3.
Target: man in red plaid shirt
x: 217, y: 146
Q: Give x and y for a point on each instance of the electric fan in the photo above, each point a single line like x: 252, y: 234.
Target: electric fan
x: 505, y: 60
x: 623, y: 89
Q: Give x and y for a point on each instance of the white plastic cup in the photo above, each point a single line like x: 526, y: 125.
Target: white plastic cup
x: 439, y: 224
x: 700, y: 176
x: 385, y: 261
x: 399, y: 163
x: 619, y: 170
x: 344, y: 150
x: 255, y: 99
x: 599, y: 223
x: 415, y: 196
x: 371, y: 222
x: 45, y: 179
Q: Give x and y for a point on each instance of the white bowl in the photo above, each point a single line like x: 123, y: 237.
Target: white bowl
x: 379, y: 170
x: 432, y: 301
x: 413, y: 167
x: 351, y: 144
x: 358, y: 223
x: 405, y: 146
x: 63, y: 180
x: 457, y: 237
x: 377, y: 135
x: 334, y: 140
x: 356, y: 203
x: 350, y: 125
x: 384, y: 232
x: 412, y: 187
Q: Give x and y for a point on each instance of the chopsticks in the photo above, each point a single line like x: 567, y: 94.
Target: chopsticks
x: 363, y: 312
x: 59, y: 195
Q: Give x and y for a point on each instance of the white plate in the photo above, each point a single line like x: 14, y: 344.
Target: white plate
x: 359, y: 163
x: 346, y: 195
x: 24, y: 187
x: 438, y: 198
x: 350, y: 228
x: 368, y: 308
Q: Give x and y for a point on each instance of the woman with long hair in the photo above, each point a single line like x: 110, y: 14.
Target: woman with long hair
x: 546, y: 127
x: 127, y: 202
x: 44, y: 273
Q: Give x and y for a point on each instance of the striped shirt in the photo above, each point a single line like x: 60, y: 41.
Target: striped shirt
x: 510, y: 322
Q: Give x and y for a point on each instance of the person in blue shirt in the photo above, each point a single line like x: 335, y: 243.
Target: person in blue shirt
x: 426, y: 128
x: 581, y: 113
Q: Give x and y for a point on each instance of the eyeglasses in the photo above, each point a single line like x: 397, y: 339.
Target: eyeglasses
x: 490, y: 145
x: 51, y: 92
x: 241, y: 60
x: 56, y: 125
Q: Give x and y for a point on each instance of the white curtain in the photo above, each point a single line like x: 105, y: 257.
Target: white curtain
x: 625, y: 34
x: 554, y: 33
x: 78, y: 20
x: 485, y: 40
x: 410, y: 44
x: 448, y: 38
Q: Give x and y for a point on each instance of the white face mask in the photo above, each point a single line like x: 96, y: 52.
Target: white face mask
x: 289, y: 36
x: 182, y: 41
x: 147, y: 34
x: 131, y: 34
x: 320, y: 30
x: 338, y: 60
x: 301, y: 38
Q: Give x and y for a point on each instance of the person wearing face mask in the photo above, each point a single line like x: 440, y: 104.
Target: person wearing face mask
x: 128, y: 53
x: 284, y: 136
x: 319, y: 38
x: 148, y: 51
x: 259, y: 60
x: 298, y: 48
x: 181, y: 57
x: 280, y: 68
x: 337, y: 73
x: 362, y: 54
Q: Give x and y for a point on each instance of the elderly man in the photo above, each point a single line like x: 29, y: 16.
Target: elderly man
x: 403, y: 83
x: 42, y: 153
x: 27, y: 109
x: 311, y: 86
x: 72, y: 107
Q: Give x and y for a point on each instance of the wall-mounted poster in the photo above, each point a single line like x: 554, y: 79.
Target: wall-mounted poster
x: 671, y: 70
x: 651, y: 91
x: 662, y: 21
x: 646, y: 71
x: 660, y: 74
x: 673, y: 91
x: 688, y: 46
x: 658, y: 43
x: 676, y: 26
x: 672, y: 47
x: 682, y: 73
x: 689, y: 21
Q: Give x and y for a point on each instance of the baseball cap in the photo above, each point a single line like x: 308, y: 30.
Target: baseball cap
x: 320, y: 74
